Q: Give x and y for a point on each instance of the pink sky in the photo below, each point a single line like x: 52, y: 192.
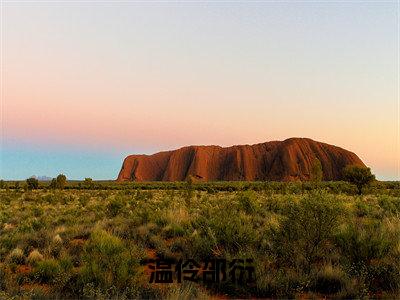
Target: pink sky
x: 147, y: 77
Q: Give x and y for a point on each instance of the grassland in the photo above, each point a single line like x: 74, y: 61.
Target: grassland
x: 94, y: 240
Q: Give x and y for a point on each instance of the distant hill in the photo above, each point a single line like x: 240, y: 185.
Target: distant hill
x: 42, y: 178
x: 287, y: 160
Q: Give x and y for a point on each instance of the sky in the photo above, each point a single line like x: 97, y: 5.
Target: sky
x: 86, y: 83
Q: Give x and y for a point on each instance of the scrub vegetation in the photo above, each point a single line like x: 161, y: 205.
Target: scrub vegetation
x: 94, y: 239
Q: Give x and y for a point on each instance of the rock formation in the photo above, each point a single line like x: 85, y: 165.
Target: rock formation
x: 287, y: 160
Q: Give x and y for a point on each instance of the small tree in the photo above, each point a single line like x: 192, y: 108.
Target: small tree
x: 359, y: 176
x: 32, y: 183
x: 53, y: 183
x: 61, y: 181
x: 3, y: 184
x: 316, y: 171
x: 88, y: 182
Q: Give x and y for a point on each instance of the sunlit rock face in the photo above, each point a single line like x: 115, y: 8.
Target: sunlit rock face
x: 288, y: 160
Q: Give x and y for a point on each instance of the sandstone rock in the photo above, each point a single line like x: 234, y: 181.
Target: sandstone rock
x: 287, y: 160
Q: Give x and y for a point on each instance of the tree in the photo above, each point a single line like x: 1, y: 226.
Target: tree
x: 32, y: 183
x: 316, y: 171
x: 88, y: 182
x: 359, y: 176
x: 61, y: 181
x: 53, y: 183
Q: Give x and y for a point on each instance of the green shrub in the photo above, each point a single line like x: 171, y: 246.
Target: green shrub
x: 173, y: 230
x: 114, y: 207
x: 107, y: 262
x: 391, y: 205
x: 306, y: 231
x: 46, y: 270
x: 32, y: 183
x: 360, y: 244
x: 88, y: 183
x: 58, y: 183
x: 247, y: 201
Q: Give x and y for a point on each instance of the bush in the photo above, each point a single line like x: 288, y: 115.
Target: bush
x: 371, y: 252
x: 46, y: 270
x: 107, y: 263
x: 173, y: 230
x: 362, y: 243
x: 32, y: 183
x: 305, y: 233
x: 88, y: 182
x: 114, y: 207
x: 247, y: 201
x: 59, y: 183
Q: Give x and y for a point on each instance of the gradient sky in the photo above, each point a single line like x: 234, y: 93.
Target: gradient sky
x: 85, y: 83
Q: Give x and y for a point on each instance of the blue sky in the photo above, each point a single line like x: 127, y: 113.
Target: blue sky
x: 85, y: 84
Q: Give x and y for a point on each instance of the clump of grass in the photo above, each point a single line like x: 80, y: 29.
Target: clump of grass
x: 108, y: 263
x: 57, y: 239
x: 173, y: 230
x: 16, y: 256
x: 46, y: 270
x: 247, y: 201
x: 114, y: 207
x: 34, y: 257
x: 330, y: 280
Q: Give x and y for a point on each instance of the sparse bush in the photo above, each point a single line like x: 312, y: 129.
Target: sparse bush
x: 114, y: 207
x: 53, y: 184
x: 46, y: 270
x: 304, y: 242
x: 3, y: 184
x: 303, y: 237
x: 107, y: 263
x: 32, y: 183
x: 247, y: 201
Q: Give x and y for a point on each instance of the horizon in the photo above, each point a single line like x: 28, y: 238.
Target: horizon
x: 103, y: 81
x: 197, y: 145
